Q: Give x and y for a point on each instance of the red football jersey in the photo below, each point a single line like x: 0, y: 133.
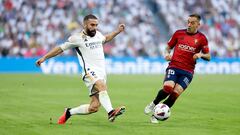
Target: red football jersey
x: 185, y: 46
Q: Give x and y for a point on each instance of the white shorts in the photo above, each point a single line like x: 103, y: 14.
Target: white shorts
x: 91, y: 78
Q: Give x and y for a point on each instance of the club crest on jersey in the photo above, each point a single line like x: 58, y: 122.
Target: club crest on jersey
x: 195, y: 41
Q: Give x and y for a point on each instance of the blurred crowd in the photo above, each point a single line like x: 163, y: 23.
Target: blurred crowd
x: 30, y: 28
x: 220, y: 22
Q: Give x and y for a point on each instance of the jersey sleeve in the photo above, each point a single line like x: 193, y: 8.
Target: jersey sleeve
x: 103, y: 38
x: 205, y: 48
x: 73, y: 41
x: 173, y: 40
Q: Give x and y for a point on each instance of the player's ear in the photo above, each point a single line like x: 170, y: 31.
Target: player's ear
x: 198, y: 23
x: 84, y: 24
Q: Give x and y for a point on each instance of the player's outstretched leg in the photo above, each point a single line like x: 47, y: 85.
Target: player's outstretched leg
x: 112, y: 115
x: 149, y: 108
x: 65, y: 116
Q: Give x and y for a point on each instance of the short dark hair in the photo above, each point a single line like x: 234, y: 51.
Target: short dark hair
x: 196, y: 15
x: 90, y: 16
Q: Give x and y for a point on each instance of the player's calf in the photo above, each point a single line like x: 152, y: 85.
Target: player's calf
x: 162, y: 94
x: 171, y: 99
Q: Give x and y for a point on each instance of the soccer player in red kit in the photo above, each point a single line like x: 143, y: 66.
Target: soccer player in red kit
x: 188, y: 45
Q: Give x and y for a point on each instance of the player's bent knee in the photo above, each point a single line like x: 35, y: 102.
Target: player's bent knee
x: 94, y: 106
x: 93, y: 109
x: 178, y: 89
x: 178, y: 92
x: 168, y: 89
x: 100, y: 86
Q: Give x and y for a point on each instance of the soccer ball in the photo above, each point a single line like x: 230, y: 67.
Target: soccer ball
x: 161, y: 112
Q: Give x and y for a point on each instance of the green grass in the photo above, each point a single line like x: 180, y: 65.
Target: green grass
x: 210, y: 106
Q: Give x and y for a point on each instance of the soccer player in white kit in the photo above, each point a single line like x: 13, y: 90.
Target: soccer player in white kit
x: 89, y: 47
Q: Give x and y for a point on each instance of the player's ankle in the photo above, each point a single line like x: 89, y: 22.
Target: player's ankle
x: 110, y: 112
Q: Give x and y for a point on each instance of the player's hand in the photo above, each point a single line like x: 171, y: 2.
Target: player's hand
x: 121, y: 27
x: 197, y: 56
x: 39, y: 61
x: 168, y: 57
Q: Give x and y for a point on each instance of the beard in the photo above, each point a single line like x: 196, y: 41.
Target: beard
x: 91, y: 33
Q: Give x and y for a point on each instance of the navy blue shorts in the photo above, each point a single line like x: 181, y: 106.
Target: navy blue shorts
x: 179, y: 76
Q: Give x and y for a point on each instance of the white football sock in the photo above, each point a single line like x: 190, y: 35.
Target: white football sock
x: 82, y: 109
x: 105, y: 101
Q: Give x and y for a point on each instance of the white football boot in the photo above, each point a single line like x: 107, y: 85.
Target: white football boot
x: 149, y: 108
x: 154, y: 120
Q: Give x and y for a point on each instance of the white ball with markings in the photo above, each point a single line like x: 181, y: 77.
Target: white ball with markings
x: 161, y: 112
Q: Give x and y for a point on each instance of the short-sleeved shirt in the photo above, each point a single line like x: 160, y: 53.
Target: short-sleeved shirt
x: 89, y: 51
x: 185, y: 46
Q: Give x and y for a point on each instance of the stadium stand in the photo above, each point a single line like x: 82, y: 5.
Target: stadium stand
x: 30, y: 28
x: 221, y: 22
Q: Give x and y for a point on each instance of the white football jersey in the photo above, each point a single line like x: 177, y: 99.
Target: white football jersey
x: 89, y: 51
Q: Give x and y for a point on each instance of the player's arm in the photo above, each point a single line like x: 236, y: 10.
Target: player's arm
x: 54, y: 52
x: 205, y: 53
x: 71, y: 43
x: 204, y: 56
x: 167, y: 55
x: 170, y: 45
x: 113, y: 34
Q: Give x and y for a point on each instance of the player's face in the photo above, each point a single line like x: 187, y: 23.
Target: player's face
x: 90, y: 27
x: 193, y: 25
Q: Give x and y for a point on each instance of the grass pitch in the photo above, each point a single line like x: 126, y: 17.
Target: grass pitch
x: 31, y: 104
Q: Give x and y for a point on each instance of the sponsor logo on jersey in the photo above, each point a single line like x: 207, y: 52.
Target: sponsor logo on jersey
x: 94, y: 45
x: 187, y: 48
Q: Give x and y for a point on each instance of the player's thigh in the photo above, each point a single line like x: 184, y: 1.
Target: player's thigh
x: 184, y: 80
x: 95, y: 82
x: 170, y: 77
